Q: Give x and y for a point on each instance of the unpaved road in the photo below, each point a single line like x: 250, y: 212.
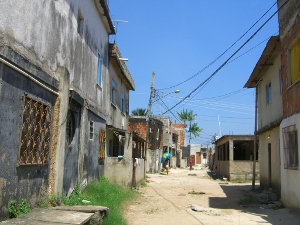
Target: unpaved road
x: 166, y: 200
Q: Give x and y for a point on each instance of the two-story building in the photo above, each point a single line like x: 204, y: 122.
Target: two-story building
x: 64, y: 95
x: 289, y: 30
x: 266, y: 78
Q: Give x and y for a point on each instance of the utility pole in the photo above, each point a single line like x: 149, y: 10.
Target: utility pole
x: 255, y: 140
x: 149, y: 113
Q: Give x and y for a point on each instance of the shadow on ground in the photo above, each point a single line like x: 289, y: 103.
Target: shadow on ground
x: 241, y: 197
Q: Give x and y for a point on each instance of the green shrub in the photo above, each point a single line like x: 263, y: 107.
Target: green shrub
x: 15, y: 211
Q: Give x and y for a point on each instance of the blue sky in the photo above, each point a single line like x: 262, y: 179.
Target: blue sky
x: 179, y: 40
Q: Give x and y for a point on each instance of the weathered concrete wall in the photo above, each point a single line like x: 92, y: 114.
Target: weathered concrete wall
x: 223, y: 168
x: 266, y: 138
x: 61, y: 58
x: 140, y: 173
x: 16, y: 181
x: 242, y: 170
x: 119, y: 171
x: 153, y: 164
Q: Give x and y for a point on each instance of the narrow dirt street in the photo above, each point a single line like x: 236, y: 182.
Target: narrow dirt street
x: 168, y: 199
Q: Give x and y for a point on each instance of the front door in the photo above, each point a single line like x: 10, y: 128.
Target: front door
x: 269, y: 165
x: 198, y: 158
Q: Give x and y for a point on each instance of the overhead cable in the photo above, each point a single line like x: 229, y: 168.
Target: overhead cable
x: 223, y: 64
x: 221, y: 54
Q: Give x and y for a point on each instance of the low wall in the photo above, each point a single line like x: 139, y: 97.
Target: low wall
x: 120, y: 171
x: 243, y: 170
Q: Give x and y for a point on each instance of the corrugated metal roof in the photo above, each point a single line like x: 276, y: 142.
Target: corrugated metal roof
x: 265, y: 61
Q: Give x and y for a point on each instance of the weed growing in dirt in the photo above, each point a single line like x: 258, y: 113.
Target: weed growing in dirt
x: 144, y: 184
x: 15, y: 211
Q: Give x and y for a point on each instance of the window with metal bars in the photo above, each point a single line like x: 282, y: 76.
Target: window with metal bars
x: 102, y: 139
x: 35, y: 133
x: 290, y: 147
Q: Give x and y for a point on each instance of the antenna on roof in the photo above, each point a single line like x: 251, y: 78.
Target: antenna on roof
x: 220, y: 131
x: 116, y: 23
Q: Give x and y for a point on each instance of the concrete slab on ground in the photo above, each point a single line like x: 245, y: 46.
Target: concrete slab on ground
x: 51, y: 217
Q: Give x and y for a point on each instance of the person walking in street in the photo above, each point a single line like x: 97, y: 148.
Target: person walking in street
x: 191, y: 164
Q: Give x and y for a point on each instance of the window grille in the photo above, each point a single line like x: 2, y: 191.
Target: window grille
x: 35, y: 133
x: 102, y: 139
x: 91, y: 130
x: 290, y: 147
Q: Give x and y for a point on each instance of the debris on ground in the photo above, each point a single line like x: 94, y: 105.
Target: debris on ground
x: 196, y: 193
x: 197, y: 208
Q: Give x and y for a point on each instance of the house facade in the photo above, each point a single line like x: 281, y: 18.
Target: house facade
x: 179, y: 130
x: 58, y: 117
x: 266, y: 78
x: 152, y: 155
x: 289, y: 25
x: 234, y: 157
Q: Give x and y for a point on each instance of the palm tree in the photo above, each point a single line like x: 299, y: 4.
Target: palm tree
x: 189, y: 116
x: 195, y: 130
x: 139, y: 112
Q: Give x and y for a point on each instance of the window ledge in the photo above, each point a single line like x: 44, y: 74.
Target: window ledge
x: 113, y: 105
x: 293, y: 84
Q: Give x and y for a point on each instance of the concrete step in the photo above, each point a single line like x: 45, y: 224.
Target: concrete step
x: 80, y: 215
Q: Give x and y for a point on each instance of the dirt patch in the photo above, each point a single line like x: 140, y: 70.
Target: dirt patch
x: 193, y: 197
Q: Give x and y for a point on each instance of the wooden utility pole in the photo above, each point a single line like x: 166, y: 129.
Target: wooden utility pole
x: 255, y: 140
x: 149, y: 113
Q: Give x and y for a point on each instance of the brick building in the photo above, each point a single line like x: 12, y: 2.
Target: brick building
x: 289, y: 25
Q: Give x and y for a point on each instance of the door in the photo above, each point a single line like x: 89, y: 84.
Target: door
x: 269, y: 165
x: 198, y: 158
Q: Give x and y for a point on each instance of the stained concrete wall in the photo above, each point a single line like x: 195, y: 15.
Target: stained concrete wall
x: 50, y: 49
x: 120, y: 171
x: 16, y: 181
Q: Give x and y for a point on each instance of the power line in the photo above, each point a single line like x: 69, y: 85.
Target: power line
x: 202, y: 70
x: 223, y: 64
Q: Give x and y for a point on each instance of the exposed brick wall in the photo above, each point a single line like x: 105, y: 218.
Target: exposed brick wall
x: 290, y: 32
x: 179, y: 129
x: 138, y: 124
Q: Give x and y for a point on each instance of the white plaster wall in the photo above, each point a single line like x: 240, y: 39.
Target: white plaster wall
x: 290, y: 179
x: 273, y: 111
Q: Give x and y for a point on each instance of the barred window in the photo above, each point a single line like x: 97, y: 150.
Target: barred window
x: 91, y: 130
x: 35, y: 133
x: 102, y: 138
x: 290, y: 147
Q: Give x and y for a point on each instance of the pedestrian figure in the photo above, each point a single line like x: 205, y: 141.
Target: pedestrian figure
x: 191, y: 164
x: 165, y: 160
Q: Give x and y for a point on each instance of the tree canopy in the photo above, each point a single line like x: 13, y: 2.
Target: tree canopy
x: 139, y: 112
x: 189, y: 116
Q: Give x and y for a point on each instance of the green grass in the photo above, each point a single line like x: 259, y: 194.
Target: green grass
x: 114, y: 197
x: 100, y: 193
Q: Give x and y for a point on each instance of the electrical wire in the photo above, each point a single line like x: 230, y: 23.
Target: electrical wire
x: 202, y: 70
x: 223, y: 64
